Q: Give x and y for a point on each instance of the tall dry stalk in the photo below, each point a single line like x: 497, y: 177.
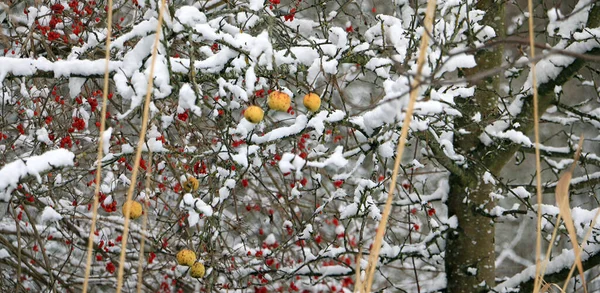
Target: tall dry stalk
x: 88, y: 263
x: 538, y: 164
x: 562, y: 201
x: 140, y: 145
x: 374, y: 254
x: 144, y: 223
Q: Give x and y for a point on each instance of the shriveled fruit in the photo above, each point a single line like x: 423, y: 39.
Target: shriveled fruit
x: 197, y: 270
x: 135, y: 209
x: 312, y: 102
x: 279, y: 101
x: 254, y: 114
x: 191, y: 184
x: 186, y: 257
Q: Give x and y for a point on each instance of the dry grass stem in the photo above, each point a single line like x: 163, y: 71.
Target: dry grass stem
x: 544, y: 263
x: 584, y: 241
x: 88, y: 263
x: 547, y: 286
x: 140, y: 146
x: 538, y: 164
x: 562, y: 201
x: 374, y: 254
x: 144, y: 222
x: 358, y: 285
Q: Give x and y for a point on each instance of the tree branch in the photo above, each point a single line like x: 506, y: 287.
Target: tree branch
x: 441, y: 157
x: 502, y: 154
x: 526, y: 284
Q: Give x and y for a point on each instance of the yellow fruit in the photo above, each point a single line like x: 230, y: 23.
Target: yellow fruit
x: 186, y: 257
x: 135, y: 209
x: 312, y: 102
x: 191, y: 184
x: 254, y: 114
x: 279, y: 101
x: 197, y: 270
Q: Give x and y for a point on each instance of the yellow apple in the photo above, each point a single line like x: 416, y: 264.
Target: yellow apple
x: 197, y: 270
x: 135, y: 209
x: 279, y: 101
x: 191, y: 184
x: 254, y: 114
x: 186, y: 257
x: 312, y: 102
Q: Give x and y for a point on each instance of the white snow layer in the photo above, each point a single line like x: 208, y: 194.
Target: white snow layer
x: 12, y: 173
x: 50, y: 215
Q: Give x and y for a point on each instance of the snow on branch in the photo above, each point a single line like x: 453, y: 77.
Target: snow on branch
x: 12, y: 173
x: 66, y: 68
x: 282, y: 132
x: 556, y: 265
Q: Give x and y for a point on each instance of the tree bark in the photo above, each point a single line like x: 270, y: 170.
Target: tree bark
x: 470, y: 248
x: 470, y: 251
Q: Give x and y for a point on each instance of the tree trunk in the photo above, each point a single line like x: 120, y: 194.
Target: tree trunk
x: 470, y: 253
x: 470, y: 248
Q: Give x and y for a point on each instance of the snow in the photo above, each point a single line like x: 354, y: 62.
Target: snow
x: 42, y: 135
x: 106, y: 140
x: 368, y: 116
x: 12, y: 173
x: 188, y: 15
x: 357, y: 165
x: 250, y: 80
x: 579, y: 179
x: 521, y: 192
x: 563, y: 26
x: 75, y: 84
x: 195, y: 207
x: 381, y: 66
x: 282, y: 132
x: 271, y: 239
x: 515, y: 136
x: 318, y: 120
x: 61, y: 68
x: 448, y: 148
x: 390, y: 28
x: 338, y: 37
x: 319, y: 66
x: 166, y: 121
x: 488, y: 178
x: 187, y: 99
x: 452, y: 222
x: 302, y: 26
x: 304, y: 55
x: 336, y: 159
x: 287, y: 224
x: 290, y: 162
x: 224, y: 192
x: 50, y: 215
x: 236, y: 90
x: 349, y: 211
x: 461, y: 60
x: 256, y: 5
x: 4, y: 253
x: 559, y: 262
x: 139, y: 30
x: 305, y: 234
